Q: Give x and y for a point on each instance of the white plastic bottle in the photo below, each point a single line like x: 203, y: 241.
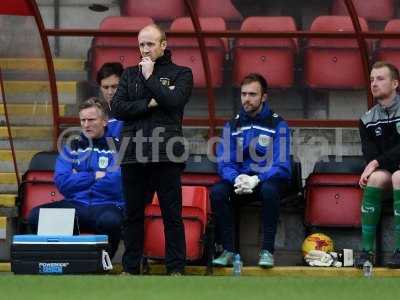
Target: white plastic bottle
x: 237, y: 265
x: 367, y: 269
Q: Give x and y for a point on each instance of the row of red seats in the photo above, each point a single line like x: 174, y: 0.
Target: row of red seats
x: 326, y: 63
x: 200, y: 173
x: 333, y: 198
x: 331, y: 184
x: 167, y: 10
x: 332, y: 195
x: 38, y: 188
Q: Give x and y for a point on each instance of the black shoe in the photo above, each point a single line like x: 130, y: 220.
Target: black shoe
x: 363, y: 257
x: 394, y: 261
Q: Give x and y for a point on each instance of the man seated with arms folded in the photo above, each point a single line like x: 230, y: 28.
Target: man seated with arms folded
x: 86, y: 175
x: 108, y: 77
x: 254, y: 163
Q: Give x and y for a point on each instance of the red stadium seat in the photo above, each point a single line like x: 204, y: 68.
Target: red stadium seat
x: 185, y: 51
x: 389, y: 50
x: 117, y: 49
x: 371, y: 10
x: 273, y: 58
x: 219, y: 8
x: 333, y: 200
x: 327, y: 61
x: 37, y: 185
x: 333, y: 196
x: 39, y: 188
x: 195, y: 213
x: 160, y: 10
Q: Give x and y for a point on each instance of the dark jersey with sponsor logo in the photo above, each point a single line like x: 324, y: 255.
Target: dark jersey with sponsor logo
x: 380, y: 135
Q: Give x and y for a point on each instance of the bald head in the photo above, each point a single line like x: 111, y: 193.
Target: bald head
x: 154, y: 29
x: 152, y: 42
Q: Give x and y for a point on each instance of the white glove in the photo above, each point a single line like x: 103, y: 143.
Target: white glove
x: 240, y: 189
x: 337, y: 264
x: 250, y: 182
x: 240, y: 179
x: 317, y: 258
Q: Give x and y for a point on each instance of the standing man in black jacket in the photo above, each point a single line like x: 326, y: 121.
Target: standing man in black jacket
x: 150, y: 100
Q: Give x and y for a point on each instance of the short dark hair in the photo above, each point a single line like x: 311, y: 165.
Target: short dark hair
x: 99, y: 103
x: 394, y: 72
x: 109, y: 69
x: 256, y: 77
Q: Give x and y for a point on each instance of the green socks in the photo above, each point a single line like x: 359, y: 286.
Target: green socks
x: 396, y: 213
x: 370, y: 214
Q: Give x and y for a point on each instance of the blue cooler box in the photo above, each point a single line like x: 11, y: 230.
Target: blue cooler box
x: 77, y: 254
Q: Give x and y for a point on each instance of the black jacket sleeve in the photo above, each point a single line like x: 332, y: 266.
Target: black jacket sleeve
x: 172, y: 98
x: 123, y: 107
x: 369, y: 149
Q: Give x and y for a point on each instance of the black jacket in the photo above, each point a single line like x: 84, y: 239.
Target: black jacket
x: 171, y: 86
x: 380, y: 135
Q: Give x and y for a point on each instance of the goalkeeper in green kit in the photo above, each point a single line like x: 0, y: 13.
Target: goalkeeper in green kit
x: 380, y: 140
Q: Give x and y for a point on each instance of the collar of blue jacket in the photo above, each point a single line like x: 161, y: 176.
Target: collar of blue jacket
x: 265, y: 111
x: 84, y: 142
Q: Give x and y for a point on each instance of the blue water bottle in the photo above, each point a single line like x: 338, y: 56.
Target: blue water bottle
x: 237, y: 265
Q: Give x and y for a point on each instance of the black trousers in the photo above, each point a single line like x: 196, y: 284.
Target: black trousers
x: 268, y: 192
x: 140, y: 181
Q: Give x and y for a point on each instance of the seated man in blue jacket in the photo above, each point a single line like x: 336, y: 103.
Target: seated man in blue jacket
x: 88, y: 179
x: 254, y: 164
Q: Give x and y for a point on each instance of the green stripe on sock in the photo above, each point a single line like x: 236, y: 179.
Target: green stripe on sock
x: 370, y: 214
x: 396, y: 219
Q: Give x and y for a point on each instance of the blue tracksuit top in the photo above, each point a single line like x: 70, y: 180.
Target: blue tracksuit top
x: 257, y: 145
x: 114, y: 128
x: 86, y: 158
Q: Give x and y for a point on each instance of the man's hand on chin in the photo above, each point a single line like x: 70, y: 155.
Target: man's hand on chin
x: 147, y: 67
